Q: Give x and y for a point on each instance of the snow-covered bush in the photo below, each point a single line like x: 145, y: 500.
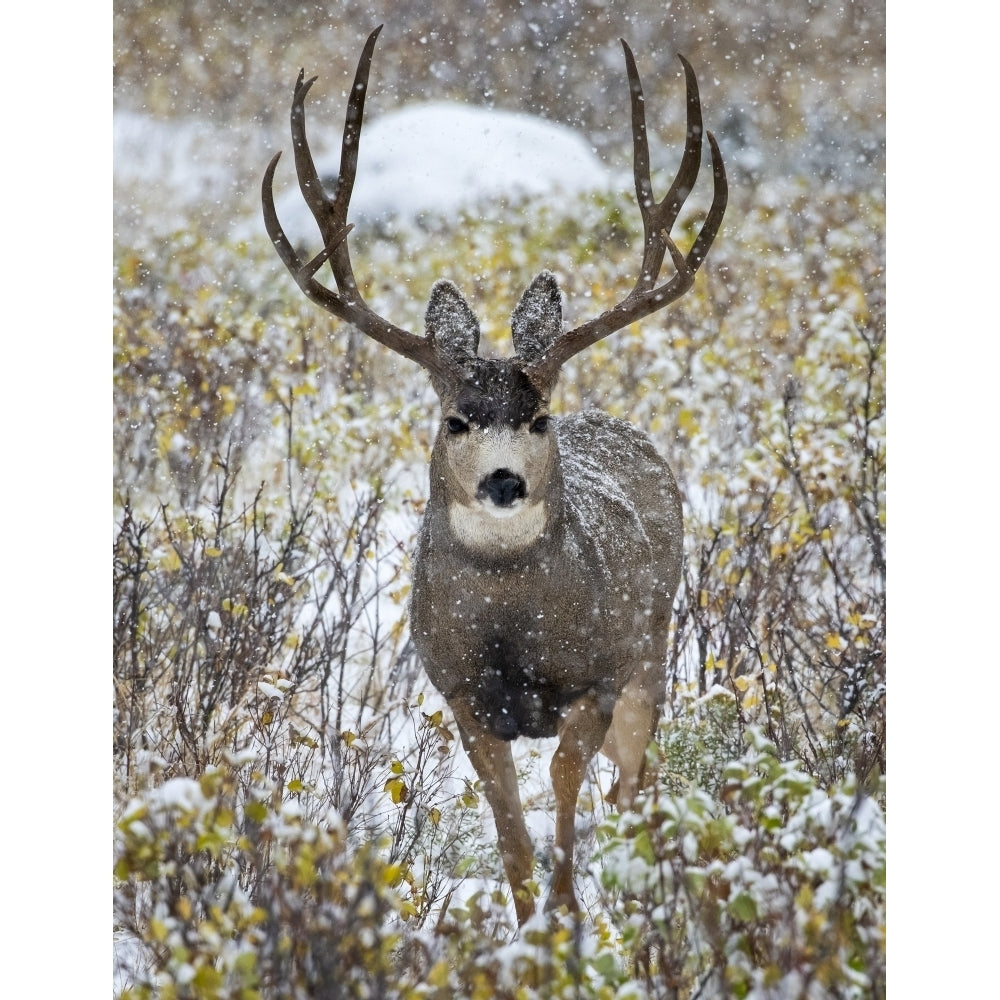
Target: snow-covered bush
x: 773, y: 888
x: 234, y: 886
x: 235, y: 893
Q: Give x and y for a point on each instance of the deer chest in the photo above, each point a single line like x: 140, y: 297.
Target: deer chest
x: 522, y: 644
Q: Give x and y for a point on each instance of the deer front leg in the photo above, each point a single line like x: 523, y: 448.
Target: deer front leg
x: 493, y: 762
x: 580, y: 736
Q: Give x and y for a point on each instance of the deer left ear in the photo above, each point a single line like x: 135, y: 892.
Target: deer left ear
x: 451, y: 323
x: 537, y: 320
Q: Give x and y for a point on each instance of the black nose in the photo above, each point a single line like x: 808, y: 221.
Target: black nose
x: 503, y: 487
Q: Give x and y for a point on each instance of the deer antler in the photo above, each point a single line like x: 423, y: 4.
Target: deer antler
x: 347, y: 302
x: 657, y: 220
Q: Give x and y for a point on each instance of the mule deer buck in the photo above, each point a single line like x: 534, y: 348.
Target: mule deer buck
x: 550, y: 549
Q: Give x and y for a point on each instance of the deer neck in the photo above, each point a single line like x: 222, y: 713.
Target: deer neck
x: 495, y: 536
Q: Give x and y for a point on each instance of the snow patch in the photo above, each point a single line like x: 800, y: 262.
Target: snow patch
x: 430, y: 161
x: 419, y: 165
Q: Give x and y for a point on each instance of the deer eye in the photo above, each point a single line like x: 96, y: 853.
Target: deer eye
x: 539, y: 425
x: 456, y: 425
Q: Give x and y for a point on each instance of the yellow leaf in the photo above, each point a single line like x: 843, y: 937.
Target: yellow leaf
x: 212, y: 552
x: 687, y: 422
x: 256, y: 811
x: 392, y: 874
x: 170, y: 561
x: 396, y: 788
x: 741, y: 683
x: 438, y: 976
x: 396, y: 767
x: 207, y: 980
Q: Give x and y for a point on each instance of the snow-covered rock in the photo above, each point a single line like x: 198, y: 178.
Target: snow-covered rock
x: 418, y: 164
x: 432, y: 160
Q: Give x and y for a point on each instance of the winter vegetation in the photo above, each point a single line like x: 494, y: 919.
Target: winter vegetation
x: 293, y: 815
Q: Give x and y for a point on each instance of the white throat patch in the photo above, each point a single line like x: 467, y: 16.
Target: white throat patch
x: 484, y: 527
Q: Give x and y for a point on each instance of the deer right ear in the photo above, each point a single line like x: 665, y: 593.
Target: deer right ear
x: 537, y: 320
x: 451, y: 323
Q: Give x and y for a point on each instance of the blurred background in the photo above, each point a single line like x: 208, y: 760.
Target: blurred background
x: 789, y: 89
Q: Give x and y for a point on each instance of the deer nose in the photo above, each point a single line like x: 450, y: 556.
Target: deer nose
x: 503, y: 487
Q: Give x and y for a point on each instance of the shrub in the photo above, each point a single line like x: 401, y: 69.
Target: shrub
x: 775, y: 888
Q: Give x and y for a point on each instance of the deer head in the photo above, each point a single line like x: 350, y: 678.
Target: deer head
x: 550, y: 549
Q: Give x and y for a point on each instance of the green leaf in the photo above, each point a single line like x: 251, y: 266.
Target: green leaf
x: 743, y: 907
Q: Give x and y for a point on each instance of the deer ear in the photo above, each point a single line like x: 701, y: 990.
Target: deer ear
x: 451, y: 323
x: 537, y: 320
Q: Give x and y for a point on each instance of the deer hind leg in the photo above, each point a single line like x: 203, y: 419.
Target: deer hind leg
x: 493, y: 762
x: 580, y: 736
x: 633, y: 726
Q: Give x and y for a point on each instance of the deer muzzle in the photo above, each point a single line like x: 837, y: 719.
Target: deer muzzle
x: 503, y: 487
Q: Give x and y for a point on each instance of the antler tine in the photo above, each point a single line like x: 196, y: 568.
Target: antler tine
x: 331, y: 216
x: 658, y: 219
x: 347, y: 302
x: 720, y: 199
x: 302, y: 273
